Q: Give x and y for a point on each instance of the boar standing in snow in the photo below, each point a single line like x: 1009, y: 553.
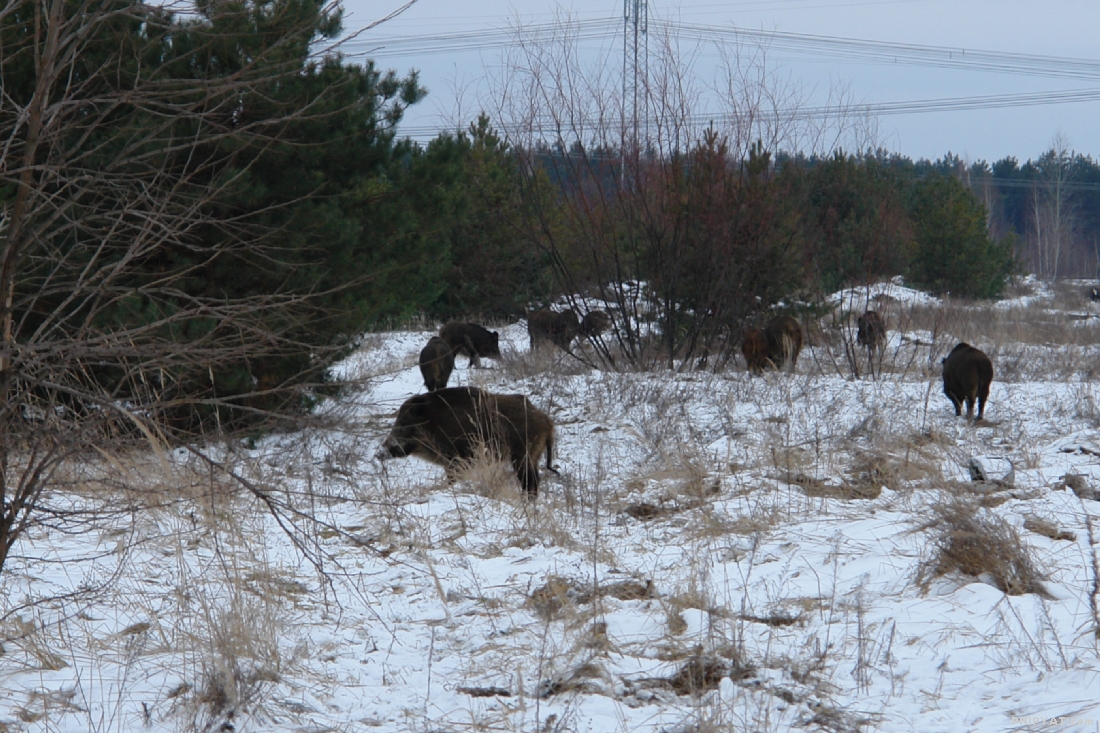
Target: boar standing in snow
x: 437, y: 361
x: 472, y: 340
x: 967, y: 374
x: 595, y: 322
x: 872, y: 331
x: 557, y: 328
x: 755, y: 348
x: 784, y: 337
x: 450, y: 426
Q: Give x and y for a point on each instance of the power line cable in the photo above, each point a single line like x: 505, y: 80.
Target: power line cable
x: 817, y: 46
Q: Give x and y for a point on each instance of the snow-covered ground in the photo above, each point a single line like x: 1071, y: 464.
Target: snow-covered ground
x: 720, y: 552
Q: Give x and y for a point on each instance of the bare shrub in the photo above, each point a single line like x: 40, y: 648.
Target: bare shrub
x: 694, y: 204
x: 979, y: 544
x: 231, y: 632
x: 120, y: 203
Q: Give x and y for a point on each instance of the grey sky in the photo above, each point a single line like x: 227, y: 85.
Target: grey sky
x: 1057, y: 28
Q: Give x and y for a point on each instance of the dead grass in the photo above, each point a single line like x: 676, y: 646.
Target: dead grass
x: 523, y: 365
x: 1049, y: 338
x: 1047, y: 528
x: 558, y: 593
x: 489, y: 476
x: 236, y: 641
x: 25, y: 640
x: 1079, y: 485
x: 704, y: 672
x: 847, y: 491
x: 978, y: 544
x: 873, y: 470
x: 1071, y: 295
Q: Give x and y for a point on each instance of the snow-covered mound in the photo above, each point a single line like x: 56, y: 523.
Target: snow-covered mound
x: 879, y: 295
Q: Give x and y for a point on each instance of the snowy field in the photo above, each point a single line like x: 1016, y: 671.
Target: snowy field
x: 720, y: 552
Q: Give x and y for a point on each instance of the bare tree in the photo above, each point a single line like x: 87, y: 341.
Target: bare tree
x: 123, y: 130
x: 1053, y: 218
x: 691, y: 206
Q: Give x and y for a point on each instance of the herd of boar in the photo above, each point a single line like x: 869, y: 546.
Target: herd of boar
x: 450, y: 426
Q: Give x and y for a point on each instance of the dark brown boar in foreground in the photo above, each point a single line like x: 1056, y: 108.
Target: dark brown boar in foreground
x: 451, y: 426
x: 472, y: 340
x: 967, y: 374
x: 784, y: 337
x: 437, y: 361
x: 755, y: 348
x: 550, y: 326
x: 872, y: 331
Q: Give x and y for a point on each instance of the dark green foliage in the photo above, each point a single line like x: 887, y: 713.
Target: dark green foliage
x: 952, y: 252
x: 467, y: 187
x: 206, y: 189
x: 855, y: 218
x: 1056, y: 194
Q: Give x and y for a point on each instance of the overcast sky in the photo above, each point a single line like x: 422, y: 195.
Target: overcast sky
x: 1018, y: 31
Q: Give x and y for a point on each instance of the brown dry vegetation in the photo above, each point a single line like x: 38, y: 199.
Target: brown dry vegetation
x: 978, y: 544
x: 792, y: 455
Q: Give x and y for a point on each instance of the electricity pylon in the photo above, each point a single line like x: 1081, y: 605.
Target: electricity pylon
x: 635, y: 72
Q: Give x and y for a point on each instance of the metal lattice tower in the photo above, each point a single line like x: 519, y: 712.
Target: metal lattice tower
x: 635, y: 72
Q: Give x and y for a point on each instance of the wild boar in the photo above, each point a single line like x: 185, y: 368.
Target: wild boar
x: 755, y: 348
x: 872, y: 331
x: 784, y: 337
x: 595, y: 322
x: 450, y: 426
x: 550, y: 326
x: 472, y: 340
x: 967, y: 374
x: 437, y: 361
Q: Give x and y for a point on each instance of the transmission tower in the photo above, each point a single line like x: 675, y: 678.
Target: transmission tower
x: 635, y: 72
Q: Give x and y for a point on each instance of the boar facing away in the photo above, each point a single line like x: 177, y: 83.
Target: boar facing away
x: 967, y: 374
x: 437, y: 361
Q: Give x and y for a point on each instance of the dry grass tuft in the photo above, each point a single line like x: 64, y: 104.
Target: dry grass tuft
x: 644, y: 511
x: 704, y: 672
x: 930, y: 437
x: 681, y: 481
x: 1047, y: 528
x: 486, y: 475
x: 243, y: 657
x: 29, y: 639
x: 558, y: 594
x: 629, y: 590
x: 522, y: 365
x: 776, y: 620
x: 847, y: 491
x: 873, y: 472
x: 578, y: 679
x: 834, y: 719
x: 42, y: 704
x: 980, y: 545
x: 1079, y: 485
